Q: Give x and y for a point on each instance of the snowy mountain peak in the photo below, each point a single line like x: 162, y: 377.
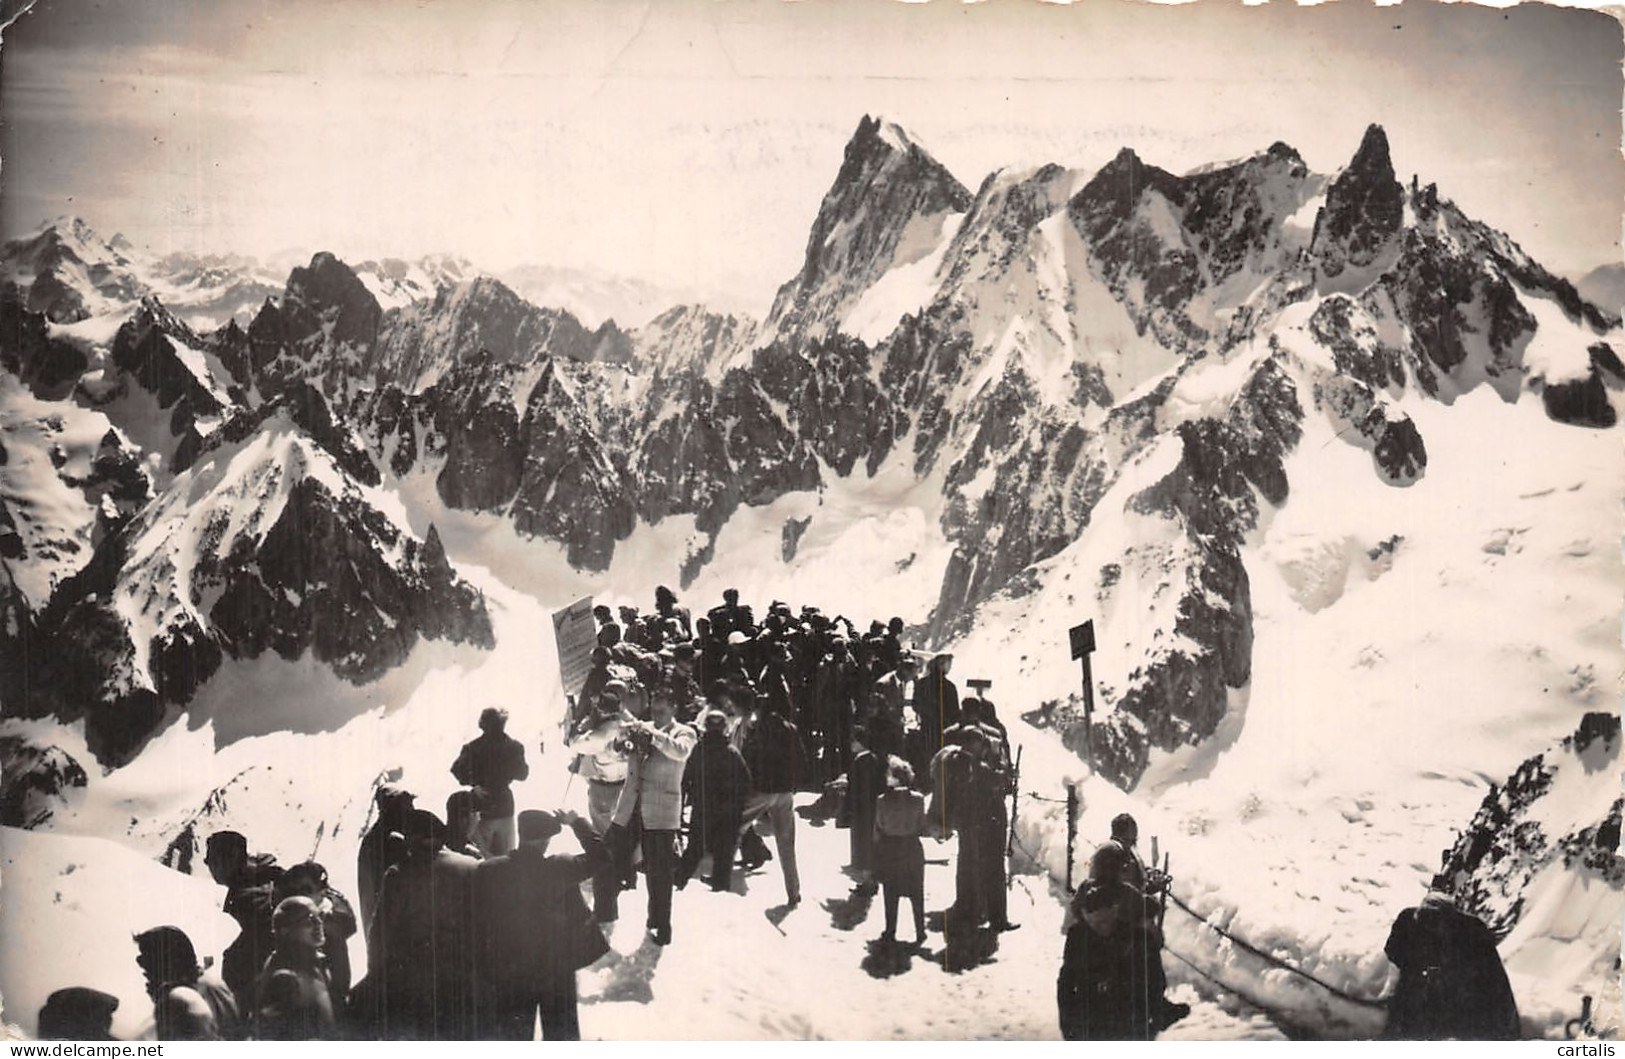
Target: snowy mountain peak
x: 418, y: 342
x: 153, y: 313
x: 689, y: 336
x: 1277, y: 152
x: 476, y: 290
x: 886, y: 208
x: 70, y: 227
x: 1365, y: 208
x: 1121, y: 183
x: 894, y: 134
x: 880, y: 132
x: 327, y: 296
x: 325, y: 272
x: 69, y: 272
x: 1372, y: 156
x: 265, y: 543
x: 1283, y: 151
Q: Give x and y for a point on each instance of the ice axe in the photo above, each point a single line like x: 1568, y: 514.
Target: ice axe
x: 1162, y: 897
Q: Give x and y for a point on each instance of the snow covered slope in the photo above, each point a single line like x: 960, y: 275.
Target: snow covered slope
x: 265, y: 543
x: 93, y: 895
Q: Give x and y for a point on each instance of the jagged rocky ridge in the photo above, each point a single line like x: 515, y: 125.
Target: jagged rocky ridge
x: 264, y: 544
x: 1539, y: 820
x: 1023, y: 342
x: 245, y: 527
x: 889, y: 189
x: 35, y: 780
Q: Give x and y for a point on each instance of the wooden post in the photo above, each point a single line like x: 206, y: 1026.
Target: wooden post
x: 1083, y: 645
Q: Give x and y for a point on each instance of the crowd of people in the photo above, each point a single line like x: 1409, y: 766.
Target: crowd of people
x: 689, y: 734
x: 733, y: 716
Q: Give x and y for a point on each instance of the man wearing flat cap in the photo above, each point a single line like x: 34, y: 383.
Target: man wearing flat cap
x: 536, y: 931
x: 78, y: 1014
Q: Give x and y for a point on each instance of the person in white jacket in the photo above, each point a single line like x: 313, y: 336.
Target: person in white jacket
x: 652, y: 800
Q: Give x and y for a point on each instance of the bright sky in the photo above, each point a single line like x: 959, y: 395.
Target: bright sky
x: 690, y: 141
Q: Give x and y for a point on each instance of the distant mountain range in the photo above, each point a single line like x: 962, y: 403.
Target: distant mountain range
x: 1031, y: 345
x: 72, y: 273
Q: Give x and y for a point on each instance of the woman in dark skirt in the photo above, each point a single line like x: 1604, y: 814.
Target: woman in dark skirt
x: 899, y: 857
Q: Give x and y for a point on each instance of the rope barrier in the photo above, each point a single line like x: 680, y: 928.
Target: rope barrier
x: 1030, y: 855
x: 1248, y: 947
x: 1226, y: 986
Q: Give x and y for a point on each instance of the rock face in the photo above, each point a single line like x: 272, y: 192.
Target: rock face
x: 1580, y: 402
x: 888, y: 189
x: 1171, y: 248
x: 1364, y: 209
x: 689, y: 338
x: 1348, y: 330
x: 328, y: 295
x: 1535, y: 823
x: 481, y: 315
x: 34, y: 781
x: 266, y: 544
x: 569, y: 487
x: 1179, y: 695
x: 1128, y: 215
x: 328, y: 325
x: 50, y: 368
x: 163, y: 356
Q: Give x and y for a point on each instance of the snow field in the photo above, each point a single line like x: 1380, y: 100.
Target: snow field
x: 36, y: 434
x: 73, y: 905
x: 1381, y: 705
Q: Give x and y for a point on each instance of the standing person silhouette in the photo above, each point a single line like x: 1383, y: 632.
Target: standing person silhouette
x: 491, y: 764
x: 653, y: 798
x: 1452, y: 985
